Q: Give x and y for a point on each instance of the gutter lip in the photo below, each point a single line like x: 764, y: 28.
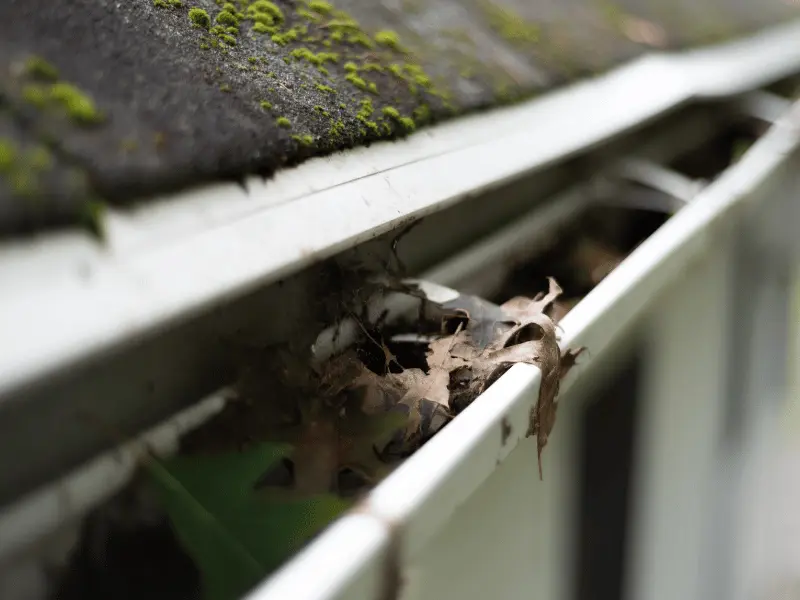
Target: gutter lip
x: 221, y: 241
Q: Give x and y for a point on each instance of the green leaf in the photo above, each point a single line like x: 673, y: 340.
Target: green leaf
x: 236, y: 535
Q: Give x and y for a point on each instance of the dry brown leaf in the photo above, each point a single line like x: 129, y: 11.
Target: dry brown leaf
x: 468, y: 361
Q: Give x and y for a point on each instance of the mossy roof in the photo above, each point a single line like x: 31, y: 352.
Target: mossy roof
x: 103, y: 101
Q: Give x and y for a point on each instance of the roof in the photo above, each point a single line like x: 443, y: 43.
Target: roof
x: 109, y: 102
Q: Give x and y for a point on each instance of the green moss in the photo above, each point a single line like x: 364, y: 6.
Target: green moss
x: 265, y: 8
x: 234, y: 31
x: 261, y: 28
x: 365, y: 113
x: 407, y: 123
x: 345, y: 28
x: 392, y: 113
x: 266, y: 105
x: 373, y: 67
x: 418, y: 75
x: 304, y: 140
x: 361, y: 83
x: 510, y: 25
x: 23, y: 183
x: 175, y: 3
x: 225, y: 88
x: 228, y: 39
x: 361, y: 39
x: 307, y: 14
x: 271, y: 75
x: 8, y: 156
x: 160, y: 4
x: 283, y: 122
x: 342, y: 105
x: 226, y: 18
x: 397, y: 70
x: 35, y: 95
x: 337, y: 129
x: 228, y: 6
x: 317, y: 60
x: 284, y: 38
x: 390, y: 39
x: 39, y: 159
x: 204, y: 46
x: 252, y: 60
x: 351, y: 67
x: 422, y: 113
x: 325, y: 88
x: 77, y: 105
x: 92, y: 217
x: 39, y: 68
x: 321, y: 7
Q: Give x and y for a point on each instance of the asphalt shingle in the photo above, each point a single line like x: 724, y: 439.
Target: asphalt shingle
x: 138, y: 98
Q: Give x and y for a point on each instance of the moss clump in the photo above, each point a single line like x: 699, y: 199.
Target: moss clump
x: 160, y: 4
x: 307, y: 14
x: 365, y: 113
x: 266, y: 105
x: 226, y: 18
x: 325, y: 88
x: 422, y: 113
x: 390, y: 39
x: 318, y: 60
x: 8, y: 156
x: 261, y: 28
x: 92, y: 216
x: 225, y: 88
x: 39, y: 68
x: 20, y: 169
x: 373, y: 67
x: 265, y: 12
x: 290, y: 35
x: 35, y: 95
x: 77, y: 105
x: 393, y: 114
x: 176, y: 3
x: 304, y: 140
x: 252, y: 60
x: 351, y: 67
x: 345, y: 28
x: 321, y: 7
x: 418, y: 75
x: 361, y: 84
x: 283, y: 122
x: 511, y: 26
x: 228, y: 39
x: 204, y: 46
x: 337, y: 129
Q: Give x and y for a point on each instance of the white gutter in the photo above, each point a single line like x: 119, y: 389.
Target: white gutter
x: 66, y: 299
x: 360, y: 555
